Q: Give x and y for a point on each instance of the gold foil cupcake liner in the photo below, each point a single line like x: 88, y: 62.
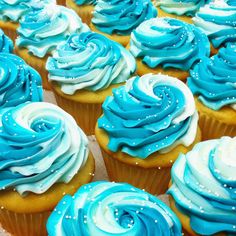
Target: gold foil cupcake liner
x: 9, y: 29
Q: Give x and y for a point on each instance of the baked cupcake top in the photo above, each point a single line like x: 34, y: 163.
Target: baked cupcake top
x: 40, y: 145
x: 19, y: 83
x: 42, y: 29
x: 105, y: 208
x: 85, y: 2
x: 149, y: 114
x: 204, y: 186
x: 6, y: 44
x: 213, y: 79
x: 180, y: 7
x: 168, y: 42
x: 89, y: 61
x: 121, y: 17
x: 218, y: 20
x: 13, y: 10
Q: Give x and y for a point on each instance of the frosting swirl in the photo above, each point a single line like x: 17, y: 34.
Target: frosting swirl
x: 41, y: 30
x: 6, y: 44
x: 149, y: 114
x: 85, y: 2
x: 204, y: 186
x: 213, y: 79
x: 19, y: 82
x: 90, y: 61
x: 40, y: 144
x: 122, y: 17
x: 217, y: 20
x: 104, y: 208
x: 168, y: 43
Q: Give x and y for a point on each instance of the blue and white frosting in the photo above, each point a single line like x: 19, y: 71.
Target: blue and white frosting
x: 19, y: 83
x: 85, y: 2
x: 89, y: 61
x: 152, y: 113
x: 105, y: 208
x: 122, y: 17
x: 40, y: 145
x: 42, y: 30
x: 168, y: 42
x: 218, y: 21
x: 204, y: 186
x: 213, y: 79
x: 6, y: 44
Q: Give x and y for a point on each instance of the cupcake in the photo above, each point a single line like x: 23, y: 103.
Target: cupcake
x: 41, y: 30
x: 116, y: 19
x: 6, y: 45
x: 212, y: 81
x: 168, y: 46
x: 180, y: 9
x: 104, y: 208
x: 203, y: 188
x: 83, y: 72
x: 145, y: 125
x: 43, y: 156
x: 218, y: 20
x: 61, y: 2
x: 84, y: 8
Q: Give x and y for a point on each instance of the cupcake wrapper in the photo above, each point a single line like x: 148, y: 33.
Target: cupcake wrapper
x: 9, y: 29
x: 85, y: 114
x: 153, y: 180
x: 20, y: 224
x: 86, y: 16
x: 61, y: 2
x: 213, y: 129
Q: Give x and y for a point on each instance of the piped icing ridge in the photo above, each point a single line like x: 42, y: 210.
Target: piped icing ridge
x: 121, y: 17
x: 85, y: 2
x: 169, y: 42
x: 105, y: 208
x: 6, y: 44
x: 213, y: 79
x: 204, y: 186
x: 218, y: 20
x: 43, y: 29
x: 152, y: 113
x: 40, y: 145
x: 90, y: 61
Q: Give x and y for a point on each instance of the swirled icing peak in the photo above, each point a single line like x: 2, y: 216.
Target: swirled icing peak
x: 213, y: 79
x: 85, y: 2
x: 40, y: 145
x: 149, y: 114
x: 90, y: 61
x: 104, y: 208
x: 6, y: 45
x: 19, y: 82
x: 204, y: 186
x: 168, y: 42
x: 122, y: 17
x: 218, y: 20
x: 41, y: 30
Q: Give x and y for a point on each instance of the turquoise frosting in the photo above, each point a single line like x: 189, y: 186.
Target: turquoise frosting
x: 122, y: 17
x: 218, y: 21
x: 213, y: 79
x: 204, y: 186
x: 40, y: 145
x: 149, y: 114
x: 105, y: 208
x: 6, y: 44
x: 168, y: 42
x: 90, y: 61
x: 19, y: 82
x: 43, y: 29
x: 85, y: 2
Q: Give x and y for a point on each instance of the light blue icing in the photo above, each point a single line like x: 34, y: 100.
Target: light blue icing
x: 169, y: 43
x: 140, y: 117
x: 218, y: 21
x: 19, y: 82
x: 85, y: 2
x: 105, y: 208
x: 42, y: 30
x: 40, y: 145
x: 213, y: 79
x: 6, y: 44
x: 90, y: 61
x: 122, y: 17
x: 204, y: 186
